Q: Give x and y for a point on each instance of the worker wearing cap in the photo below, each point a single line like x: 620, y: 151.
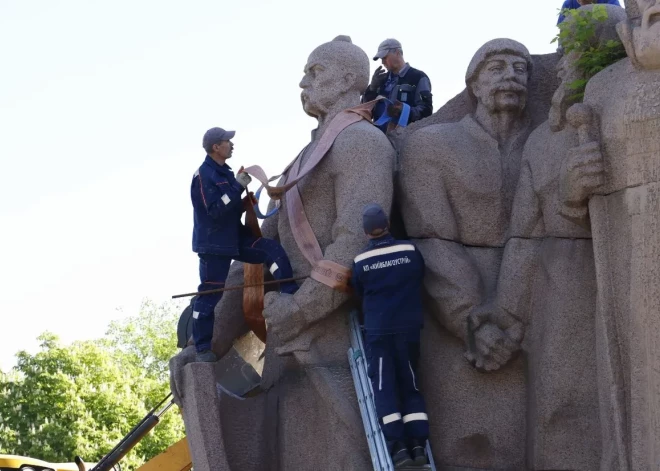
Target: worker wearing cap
x: 400, y: 84
x: 219, y: 236
x: 388, y: 277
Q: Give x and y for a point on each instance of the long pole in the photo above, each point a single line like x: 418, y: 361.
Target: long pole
x: 232, y: 288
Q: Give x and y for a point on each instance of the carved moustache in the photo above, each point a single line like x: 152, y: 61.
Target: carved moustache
x: 514, y: 87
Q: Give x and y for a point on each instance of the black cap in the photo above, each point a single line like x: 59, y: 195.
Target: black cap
x: 374, y: 219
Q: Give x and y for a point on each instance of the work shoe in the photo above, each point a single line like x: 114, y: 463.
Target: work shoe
x: 206, y: 356
x: 400, y: 455
x: 417, y: 452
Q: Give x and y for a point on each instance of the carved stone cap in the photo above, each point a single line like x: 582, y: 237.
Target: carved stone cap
x: 496, y: 46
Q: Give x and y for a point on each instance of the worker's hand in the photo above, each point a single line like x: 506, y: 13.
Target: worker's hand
x: 243, y: 178
x: 248, y: 201
x: 283, y: 315
x: 394, y: 110
x: 378, y: 79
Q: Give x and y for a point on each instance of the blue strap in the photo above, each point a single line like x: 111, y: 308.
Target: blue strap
x: 270, y: 213
x: 386, y: 118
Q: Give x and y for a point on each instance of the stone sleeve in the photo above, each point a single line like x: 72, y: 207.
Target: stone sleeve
x: 453, y: 283
x: 517, y: 272
x: 526, y: 217
x: 451, y: 278
x: 517, y: 277
x: 363, y: 168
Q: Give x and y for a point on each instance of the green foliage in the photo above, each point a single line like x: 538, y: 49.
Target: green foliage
x: 83, y: 398
x: 578, y: 34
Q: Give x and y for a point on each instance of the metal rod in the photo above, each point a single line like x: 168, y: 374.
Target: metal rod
x: 162, y: 412
x: 232, y: 288
x: 146, y: 418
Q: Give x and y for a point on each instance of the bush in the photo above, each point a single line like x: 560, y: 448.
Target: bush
x: 578, y: 33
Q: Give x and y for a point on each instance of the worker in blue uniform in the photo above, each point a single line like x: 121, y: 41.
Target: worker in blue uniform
x: 388, y: 277
x: 575, y: 4
x: 402, y: 85
x: 219, y: 236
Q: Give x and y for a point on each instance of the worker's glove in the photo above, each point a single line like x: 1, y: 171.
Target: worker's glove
x: 378, y: 79
x: 243, y: 179
x: 394, y: 110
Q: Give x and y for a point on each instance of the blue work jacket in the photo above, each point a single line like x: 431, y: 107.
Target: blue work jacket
x: 216, y: 199
x: 574, y: 4
x: 388, y: 277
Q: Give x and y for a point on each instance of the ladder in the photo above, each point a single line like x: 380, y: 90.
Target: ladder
x: 380, y: 456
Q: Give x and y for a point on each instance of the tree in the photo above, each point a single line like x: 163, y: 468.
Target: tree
x: 83, y: 398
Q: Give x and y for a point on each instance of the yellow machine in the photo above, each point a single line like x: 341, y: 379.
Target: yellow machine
x: 13, y: 462
x: 175, y: 458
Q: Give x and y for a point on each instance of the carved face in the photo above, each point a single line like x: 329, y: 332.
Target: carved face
x: 646, y: 38
x: 564, y: 97
x: 323, y: 83
x: 501, y: 84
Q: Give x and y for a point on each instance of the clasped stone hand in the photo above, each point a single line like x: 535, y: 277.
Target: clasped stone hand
x: 496, y: 338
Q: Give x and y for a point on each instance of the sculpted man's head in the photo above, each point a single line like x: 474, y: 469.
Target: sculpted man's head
x: 336, y: 72
x: 567, y: 70
x: 641, y: 35
x: 497, y: 76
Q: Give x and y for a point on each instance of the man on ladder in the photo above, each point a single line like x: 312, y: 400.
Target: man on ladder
x: 388, y: 278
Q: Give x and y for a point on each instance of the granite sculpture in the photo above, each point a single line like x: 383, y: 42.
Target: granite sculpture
x: 539, y: 225
x: 548, y: 280
x: 309, y: 411
x: 610, y: 182
x: 457, y: 183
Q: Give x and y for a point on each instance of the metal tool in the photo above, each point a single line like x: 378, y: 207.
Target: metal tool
x: 232, y: 288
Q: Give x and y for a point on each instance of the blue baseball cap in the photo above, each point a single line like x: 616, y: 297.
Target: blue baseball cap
x: 374, y: 219
x: 216, y: 136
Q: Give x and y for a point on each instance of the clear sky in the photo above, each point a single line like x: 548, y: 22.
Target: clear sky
x: 103, y: 105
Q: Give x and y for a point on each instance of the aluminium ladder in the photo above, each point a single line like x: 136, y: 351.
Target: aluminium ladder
x: 380, y: 456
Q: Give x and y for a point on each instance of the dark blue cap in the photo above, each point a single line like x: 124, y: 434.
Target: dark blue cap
x: 216, y: 136
x: 374, y: 219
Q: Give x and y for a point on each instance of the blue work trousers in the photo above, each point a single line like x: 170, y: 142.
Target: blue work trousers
x: 392, y: 365
x: 213, y: 271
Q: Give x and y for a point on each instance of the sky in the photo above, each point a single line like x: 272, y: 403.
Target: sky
x: 103, y: 105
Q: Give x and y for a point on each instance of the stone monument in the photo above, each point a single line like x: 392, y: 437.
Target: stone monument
x: 457, y: 183
x: 539, y: 223
x: 308, y: 418
x: 618, y: 159
x: 548, y: 280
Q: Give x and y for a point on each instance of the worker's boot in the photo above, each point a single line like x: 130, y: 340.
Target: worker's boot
x: 417, y: 452
x: 206, y: 356
x: 400, y: 455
